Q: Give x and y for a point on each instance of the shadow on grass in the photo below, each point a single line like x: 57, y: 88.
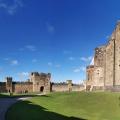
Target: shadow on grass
x: 26, y: 110
x: 16, y: 96
x: 45, y: 96
x: 4, y: 95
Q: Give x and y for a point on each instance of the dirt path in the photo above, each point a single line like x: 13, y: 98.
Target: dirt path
x: 5, y: 103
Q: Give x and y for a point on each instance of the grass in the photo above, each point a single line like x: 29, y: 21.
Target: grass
x: 68, y: 106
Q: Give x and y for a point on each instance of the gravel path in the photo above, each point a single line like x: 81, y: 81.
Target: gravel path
x: 5, y: 103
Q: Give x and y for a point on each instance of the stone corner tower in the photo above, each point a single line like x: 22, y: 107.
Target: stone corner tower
x: 106, y: 72
x: 9, y: 84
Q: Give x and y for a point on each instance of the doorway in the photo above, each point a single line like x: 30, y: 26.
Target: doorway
x: 41, y: 88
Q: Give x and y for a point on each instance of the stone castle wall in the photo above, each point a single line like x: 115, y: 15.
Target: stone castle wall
x: 78, y: 88
x: 90, y: 75
x: 66, y: 88
x: 3, y: 87
x: 39, y: 82
x: 23, y: 87
x: 109, y: 66
x: 106, y: 73
x: 117, y: 55
x: 60, y: 88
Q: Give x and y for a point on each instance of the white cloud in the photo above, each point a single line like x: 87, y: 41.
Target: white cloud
x: 71, y: 58
x: 79, y: 69
x: 30, y: 47
x: 14, y: 62
x: 23, y: 74
x: 83, y: 68
x: 50, y: 63
x: 11, y: 8
x: 54, y: 65
x: 76, y: 70
x: 86, y: 59
x: 92, y: 61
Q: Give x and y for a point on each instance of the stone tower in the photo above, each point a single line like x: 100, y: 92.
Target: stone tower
x: 106, y: 71
x: 116, y: 65
x: 69, y: 85
x: 41, y: 81
x: 89, y: 75
x: 112, y: 66
x: 9, y: 84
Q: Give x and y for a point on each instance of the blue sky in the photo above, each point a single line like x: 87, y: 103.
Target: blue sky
x: 57, y: 36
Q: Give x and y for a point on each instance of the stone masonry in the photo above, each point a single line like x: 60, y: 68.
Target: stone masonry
x: 105, y: 73
x: 38, y: 82
x: 41, y: 81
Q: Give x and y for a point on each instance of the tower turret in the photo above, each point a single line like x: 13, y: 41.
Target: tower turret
x: 9, y: 84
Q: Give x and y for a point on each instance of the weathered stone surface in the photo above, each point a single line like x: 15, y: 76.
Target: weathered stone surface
x: 39, y: 82
x: 106, y: 69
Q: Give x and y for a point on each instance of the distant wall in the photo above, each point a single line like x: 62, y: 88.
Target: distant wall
x: 23, y: 87
x: 59, y: 88
x: 78, y: 87
x: 2, y: 87
x: 64, y: 88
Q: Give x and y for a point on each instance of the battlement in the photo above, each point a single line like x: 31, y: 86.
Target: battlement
x: 118, y: 23
x: 8, y: 79
x: 100, y: 49
x: 90, y: 66
x: 69, y: 81
x: 9, y: 84
x: 37, y: 74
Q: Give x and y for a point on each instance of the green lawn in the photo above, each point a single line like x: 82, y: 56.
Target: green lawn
x: 68, y: 106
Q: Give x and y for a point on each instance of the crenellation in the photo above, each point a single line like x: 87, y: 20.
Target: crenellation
x: 9, y: 87
x: 38, y: 82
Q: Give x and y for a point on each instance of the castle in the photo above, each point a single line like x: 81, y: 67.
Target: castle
x: 38, y: 82
x: 104, y: 74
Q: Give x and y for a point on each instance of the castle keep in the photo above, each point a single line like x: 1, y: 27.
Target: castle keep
x: 104, y: 74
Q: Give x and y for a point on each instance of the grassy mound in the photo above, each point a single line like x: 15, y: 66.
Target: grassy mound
x: 68, y: 106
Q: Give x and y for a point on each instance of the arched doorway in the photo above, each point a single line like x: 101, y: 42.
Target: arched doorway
x: 41, y: 88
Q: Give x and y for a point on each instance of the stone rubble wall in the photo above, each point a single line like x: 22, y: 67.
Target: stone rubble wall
x: 65, y: 88
x: 3, y: 87
x: 23, y: 87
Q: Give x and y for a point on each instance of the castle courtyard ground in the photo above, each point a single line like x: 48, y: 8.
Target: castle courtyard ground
x: 68, y: 106
x: 6, y: 101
